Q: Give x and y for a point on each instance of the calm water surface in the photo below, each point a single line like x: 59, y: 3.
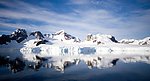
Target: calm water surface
x: 132, y: 69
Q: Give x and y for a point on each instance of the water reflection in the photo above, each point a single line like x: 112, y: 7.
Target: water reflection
x: 61, y: 63
x: 15, y: 65
x: 145, y: 59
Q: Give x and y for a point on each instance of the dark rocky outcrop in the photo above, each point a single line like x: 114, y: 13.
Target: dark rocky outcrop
x: 113, y: 39
x: 4, y: 39
x: 40, y: 42
x: 37, y: 34
x: 19, y: 35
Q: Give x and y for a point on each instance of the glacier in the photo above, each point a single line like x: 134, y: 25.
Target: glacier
x: 63, y: 50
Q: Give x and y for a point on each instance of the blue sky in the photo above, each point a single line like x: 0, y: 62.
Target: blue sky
x: 121, y: 18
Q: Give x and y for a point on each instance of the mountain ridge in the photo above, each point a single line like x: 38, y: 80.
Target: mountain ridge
x: 22, y: 36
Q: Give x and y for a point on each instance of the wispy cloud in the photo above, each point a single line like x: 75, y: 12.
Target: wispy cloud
x: 79, y: 2
x: 77, y: 22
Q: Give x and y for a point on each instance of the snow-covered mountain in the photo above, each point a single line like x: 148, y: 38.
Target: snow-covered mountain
x: 64, y: 37
x: 63, y: 50
x: 145, y: 41
x: 22, y: 37
x: 18, y: 35
x: 100, y: 39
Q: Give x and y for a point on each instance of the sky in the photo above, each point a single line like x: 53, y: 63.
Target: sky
x: 120, y: 18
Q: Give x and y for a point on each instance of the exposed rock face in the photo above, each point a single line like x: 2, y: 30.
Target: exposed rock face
x: 40, y: 42
x: 63, y: 36
x: 37, y: 34
x: 89, y: 37
x: 101, y: 39
x: 4, y: 39
x: 145, y: 41
x: 40, y: 38
x: 19, y: 35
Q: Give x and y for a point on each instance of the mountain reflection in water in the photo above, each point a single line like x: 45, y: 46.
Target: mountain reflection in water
x: 81, y: 67
x: 63, y: 62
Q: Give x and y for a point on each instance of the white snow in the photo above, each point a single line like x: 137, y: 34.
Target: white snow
x: 96, y: 51
x: 64, y: 37
x: 145, y: 41
x: 100, y: 39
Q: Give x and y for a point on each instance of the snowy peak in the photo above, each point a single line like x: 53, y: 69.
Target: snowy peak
x: 61, y: 32
x: 127, y: 41
x: 101, y: 39
x: 145, y: 41
x: 18, y: 35
x: 65, y: 37
x: 37, y: 34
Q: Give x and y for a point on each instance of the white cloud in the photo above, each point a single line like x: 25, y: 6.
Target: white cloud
x: 78, y: 23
